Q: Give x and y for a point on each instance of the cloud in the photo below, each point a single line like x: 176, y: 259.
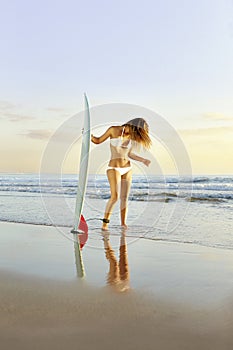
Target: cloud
x: 6, y: 106
x: 67, y: 136
x: 217, y: 116
x: 222, y: 130
x: 8, y: 111
x: 59, y: 112
x: 56, y: 109
x: 38, y: 134
x: 15, y: 117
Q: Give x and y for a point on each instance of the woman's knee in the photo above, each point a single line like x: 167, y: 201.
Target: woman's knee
x: 124, y: 202
x: 124, y: 197
x: 114, y: 197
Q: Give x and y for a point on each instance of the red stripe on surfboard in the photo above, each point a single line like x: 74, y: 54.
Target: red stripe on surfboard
x: 83, y: 227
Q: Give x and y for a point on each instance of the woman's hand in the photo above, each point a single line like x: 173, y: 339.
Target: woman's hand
x: 146, y: 162
x: 93, y: 138
x: 102, y: 138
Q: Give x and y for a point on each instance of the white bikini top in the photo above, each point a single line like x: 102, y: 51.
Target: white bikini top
x: 119, y: 141
x: 119, y: 147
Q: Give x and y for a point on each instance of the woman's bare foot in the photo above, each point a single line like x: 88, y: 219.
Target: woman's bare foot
x: 104, y: 227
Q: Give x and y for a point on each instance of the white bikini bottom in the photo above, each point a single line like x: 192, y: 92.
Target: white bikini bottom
x: 122, y: 171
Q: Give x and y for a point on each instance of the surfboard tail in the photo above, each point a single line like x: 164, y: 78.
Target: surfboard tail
x: 82, y: 231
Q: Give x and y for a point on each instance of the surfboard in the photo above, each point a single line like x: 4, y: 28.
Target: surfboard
x: 80, y: 228
x: 83, y: 166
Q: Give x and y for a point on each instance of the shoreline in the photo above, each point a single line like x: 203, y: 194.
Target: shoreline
x: 156, y: 240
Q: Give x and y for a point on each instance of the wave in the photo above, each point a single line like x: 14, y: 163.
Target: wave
x: 135, y: 194
x: 144, y: 188
x: 205, y: 199
x: 139, y: 199
x: 167, y: 194
x: 201, y: 179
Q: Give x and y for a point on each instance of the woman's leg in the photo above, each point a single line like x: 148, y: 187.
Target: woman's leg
x: 114, y: 179
x: 113, y: 274
x: 126, y: 180
x: 123, y: 261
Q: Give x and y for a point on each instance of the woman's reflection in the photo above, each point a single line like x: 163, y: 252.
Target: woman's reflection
x: 118, y: 275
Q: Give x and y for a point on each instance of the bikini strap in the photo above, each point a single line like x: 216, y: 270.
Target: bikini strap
x: 122, y: 134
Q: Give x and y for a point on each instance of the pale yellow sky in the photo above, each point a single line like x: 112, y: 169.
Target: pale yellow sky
x: 210, y: 149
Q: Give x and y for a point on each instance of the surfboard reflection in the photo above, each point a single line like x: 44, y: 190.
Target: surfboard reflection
x: 80, y: 238
x: 78, y: 257
x: 118, y: 274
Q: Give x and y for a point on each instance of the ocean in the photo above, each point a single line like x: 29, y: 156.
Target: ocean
x: 197, y: 210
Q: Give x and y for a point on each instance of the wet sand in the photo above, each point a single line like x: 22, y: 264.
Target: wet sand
x: 43, y: 312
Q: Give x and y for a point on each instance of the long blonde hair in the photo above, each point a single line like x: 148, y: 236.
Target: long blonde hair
x: 139, y: 132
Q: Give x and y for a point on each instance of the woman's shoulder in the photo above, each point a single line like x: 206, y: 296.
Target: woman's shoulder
x: 115, y: 131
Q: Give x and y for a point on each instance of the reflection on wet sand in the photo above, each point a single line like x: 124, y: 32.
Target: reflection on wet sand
x: 118, y: 275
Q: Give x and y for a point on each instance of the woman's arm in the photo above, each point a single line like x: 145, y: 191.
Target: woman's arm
x: 103, y: 137
x: 139, y: 159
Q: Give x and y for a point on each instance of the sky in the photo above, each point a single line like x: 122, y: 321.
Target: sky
x: 172, y: 57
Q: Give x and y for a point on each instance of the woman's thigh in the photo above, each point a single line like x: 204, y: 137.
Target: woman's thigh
x: 114, y: 179
x: 126, y: 181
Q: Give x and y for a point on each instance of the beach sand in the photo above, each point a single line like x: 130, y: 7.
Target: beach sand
x: 173, y: 296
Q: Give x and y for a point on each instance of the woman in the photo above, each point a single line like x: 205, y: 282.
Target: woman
x: 124, y: 140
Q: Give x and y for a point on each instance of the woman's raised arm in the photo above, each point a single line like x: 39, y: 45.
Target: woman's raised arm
x: 103, y: 137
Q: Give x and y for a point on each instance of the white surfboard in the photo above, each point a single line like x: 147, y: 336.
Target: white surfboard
x: 81, y: 189
x: 83, y: 166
